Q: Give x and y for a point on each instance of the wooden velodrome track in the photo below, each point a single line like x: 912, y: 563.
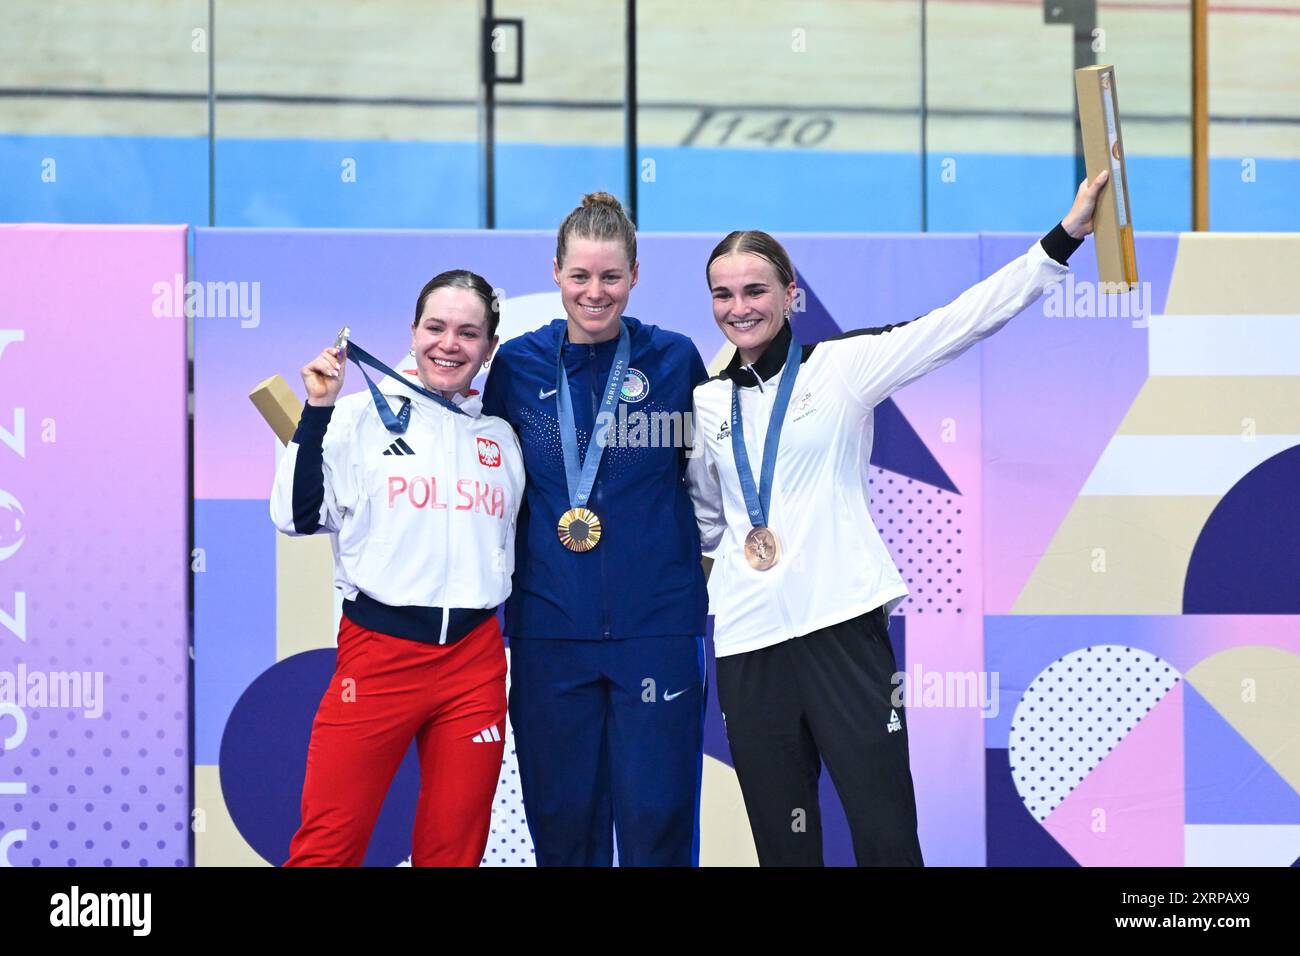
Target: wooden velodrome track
x: 710, y: 74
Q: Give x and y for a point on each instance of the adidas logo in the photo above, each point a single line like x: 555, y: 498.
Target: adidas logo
x: 400, y: 447
x: 894, y: 723
x: 489, y: 735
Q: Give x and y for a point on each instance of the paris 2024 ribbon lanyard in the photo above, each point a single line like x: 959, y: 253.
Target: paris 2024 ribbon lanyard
x: 762, y: 549
x: 397, y: 424
x: 579, y: 527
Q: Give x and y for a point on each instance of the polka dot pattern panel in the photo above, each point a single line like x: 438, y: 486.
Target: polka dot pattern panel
x: 1075, y: 712
x: 924, y: 528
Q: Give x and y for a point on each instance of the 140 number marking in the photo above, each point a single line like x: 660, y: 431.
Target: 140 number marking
x: 714, y: 128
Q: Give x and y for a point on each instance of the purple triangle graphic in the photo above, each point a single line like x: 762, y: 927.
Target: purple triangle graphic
x: 897, y: 447
x: 1227, y: 780
x: 814, y: 323
x: 1014, y: 837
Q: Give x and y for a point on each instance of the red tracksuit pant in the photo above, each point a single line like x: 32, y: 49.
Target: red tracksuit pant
x: 386, y: 691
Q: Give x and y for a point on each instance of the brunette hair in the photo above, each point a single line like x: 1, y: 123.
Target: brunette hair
x: 463, y: 279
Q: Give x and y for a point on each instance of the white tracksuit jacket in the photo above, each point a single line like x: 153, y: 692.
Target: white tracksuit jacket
x: 833, y: 564
x: 421, y: 520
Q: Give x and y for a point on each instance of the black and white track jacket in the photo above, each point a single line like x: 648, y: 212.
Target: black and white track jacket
x: 833, y: 565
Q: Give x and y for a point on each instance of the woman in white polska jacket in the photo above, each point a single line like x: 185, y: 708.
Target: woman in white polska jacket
x: 422, y: 502
x: 802, y: 584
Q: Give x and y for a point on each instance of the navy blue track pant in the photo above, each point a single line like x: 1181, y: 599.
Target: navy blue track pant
x: 609, y: 738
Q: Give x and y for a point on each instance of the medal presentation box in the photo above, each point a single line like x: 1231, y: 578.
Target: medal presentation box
x: 1103, y: 148
x: 279, y: 406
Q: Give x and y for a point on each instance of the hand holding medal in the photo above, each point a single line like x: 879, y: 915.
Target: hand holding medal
x: 323, y: 375
x: 396, y: 423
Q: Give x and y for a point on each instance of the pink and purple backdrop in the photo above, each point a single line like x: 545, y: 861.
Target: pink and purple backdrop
x: 94, y: 534
x: 974, y: 471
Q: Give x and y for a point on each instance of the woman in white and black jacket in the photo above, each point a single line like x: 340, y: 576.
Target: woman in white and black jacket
x: 802, y: 584
x: 421, y: 492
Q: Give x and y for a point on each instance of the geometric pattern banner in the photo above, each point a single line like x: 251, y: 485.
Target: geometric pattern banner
x: 1141, y: 519
x: 1176, y: 748
x: 1089, y: 509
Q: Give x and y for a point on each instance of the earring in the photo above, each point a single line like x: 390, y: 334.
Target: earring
x: 487, y: 363
x: 412, y: 350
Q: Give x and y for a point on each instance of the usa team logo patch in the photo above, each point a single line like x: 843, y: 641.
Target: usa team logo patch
x: 489, y: 453
x: 635, y: 386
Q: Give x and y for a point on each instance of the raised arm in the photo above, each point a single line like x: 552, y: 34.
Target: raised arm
x: 877, y: 362
x: 304, y: 499
x: 307, y: 489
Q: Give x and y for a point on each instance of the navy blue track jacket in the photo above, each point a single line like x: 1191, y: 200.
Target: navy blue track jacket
x: 644, y: 577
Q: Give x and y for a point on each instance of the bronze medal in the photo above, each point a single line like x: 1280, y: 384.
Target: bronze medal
x: 579, y: 529
x: 761, y: 549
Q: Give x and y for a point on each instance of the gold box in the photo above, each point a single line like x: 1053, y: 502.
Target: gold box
x: 279, y: 406
x: 1103, y: 148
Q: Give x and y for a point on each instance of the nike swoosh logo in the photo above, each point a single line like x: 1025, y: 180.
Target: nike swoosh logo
x: 676, y: 695
x: 545, y: 394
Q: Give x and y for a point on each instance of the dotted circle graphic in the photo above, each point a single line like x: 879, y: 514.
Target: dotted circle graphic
x: 1075, y: 712
x: 509, y: 842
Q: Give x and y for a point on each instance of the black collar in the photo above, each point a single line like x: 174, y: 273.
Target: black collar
x: 769, y: 363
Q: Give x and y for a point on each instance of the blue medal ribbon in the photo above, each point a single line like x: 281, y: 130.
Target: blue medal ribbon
x: 757, y: 500
x: 581, y: 475
x: 397, y: 424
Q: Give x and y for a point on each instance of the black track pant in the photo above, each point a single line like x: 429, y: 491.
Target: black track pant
x: 822, y: 697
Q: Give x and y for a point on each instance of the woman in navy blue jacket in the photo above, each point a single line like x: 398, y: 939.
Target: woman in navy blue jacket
x: 607, y: 614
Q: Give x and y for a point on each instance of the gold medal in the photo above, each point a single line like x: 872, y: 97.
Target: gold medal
x: 579, y: 529
x: 761, y: 549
